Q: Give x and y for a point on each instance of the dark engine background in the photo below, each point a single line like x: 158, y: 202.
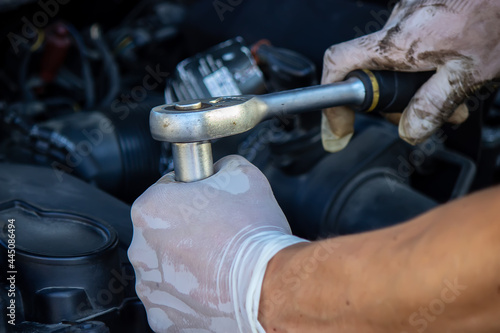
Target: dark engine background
x: 77, y: 82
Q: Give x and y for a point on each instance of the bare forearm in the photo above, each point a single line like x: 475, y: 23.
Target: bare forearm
x: 438, y: 273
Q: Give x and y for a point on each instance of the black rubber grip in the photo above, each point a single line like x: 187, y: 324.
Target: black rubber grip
x: 395, y: 89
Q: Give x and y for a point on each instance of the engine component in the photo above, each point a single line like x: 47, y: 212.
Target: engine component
x: 112, y: 149
x: 284, y: 69
x: 224, y: 70
x: 148, y: 27
x: 70, y: 262
x: 368, y: 186
x: 47, y: 243
x: 55, y: 51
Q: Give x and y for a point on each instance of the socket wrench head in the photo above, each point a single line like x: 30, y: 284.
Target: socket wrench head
x: 206, y: 119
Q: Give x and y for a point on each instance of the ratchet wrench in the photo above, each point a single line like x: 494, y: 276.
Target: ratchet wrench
x: 191, y: 125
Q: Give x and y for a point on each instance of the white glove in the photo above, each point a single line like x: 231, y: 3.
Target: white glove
x: 200, y: 250
x: 458, y: 38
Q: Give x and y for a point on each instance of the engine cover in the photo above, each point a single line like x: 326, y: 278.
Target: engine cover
x: 70, y: 262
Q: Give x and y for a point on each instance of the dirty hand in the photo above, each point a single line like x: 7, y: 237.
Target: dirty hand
x: 200, y: 250
x: 458, y: 38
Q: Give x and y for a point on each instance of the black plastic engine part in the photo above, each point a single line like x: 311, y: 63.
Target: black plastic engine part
x: 70, y: 263
x: 285, y: 69
x: 47, y: 243
x: 112, y: 149
x: 367, y: 186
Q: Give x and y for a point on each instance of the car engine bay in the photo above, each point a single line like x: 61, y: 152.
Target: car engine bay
x: 78, y: 80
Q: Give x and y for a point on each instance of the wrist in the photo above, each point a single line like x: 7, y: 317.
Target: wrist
x: 248, y: 270
x: 281, y: 298
x: 309, y: 288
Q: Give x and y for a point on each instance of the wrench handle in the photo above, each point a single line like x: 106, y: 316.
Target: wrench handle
x: 388, y: 91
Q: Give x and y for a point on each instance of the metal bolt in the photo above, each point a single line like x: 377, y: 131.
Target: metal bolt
x: 188, y: 106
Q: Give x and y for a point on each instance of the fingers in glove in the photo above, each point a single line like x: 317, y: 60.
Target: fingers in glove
x: 337, y: 128
x: 233, y: 176
x: 337, y: 124
x: 460, y: 115
x: 435, y: 102
x: 232, y: 162
x: 368, y: 52
x: 388, y: 49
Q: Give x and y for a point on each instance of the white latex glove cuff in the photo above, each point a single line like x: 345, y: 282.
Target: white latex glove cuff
x: 256, y: 250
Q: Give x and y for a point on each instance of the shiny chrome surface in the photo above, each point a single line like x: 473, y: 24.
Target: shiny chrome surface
x: 226, y: 116
x: 192, y: 161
